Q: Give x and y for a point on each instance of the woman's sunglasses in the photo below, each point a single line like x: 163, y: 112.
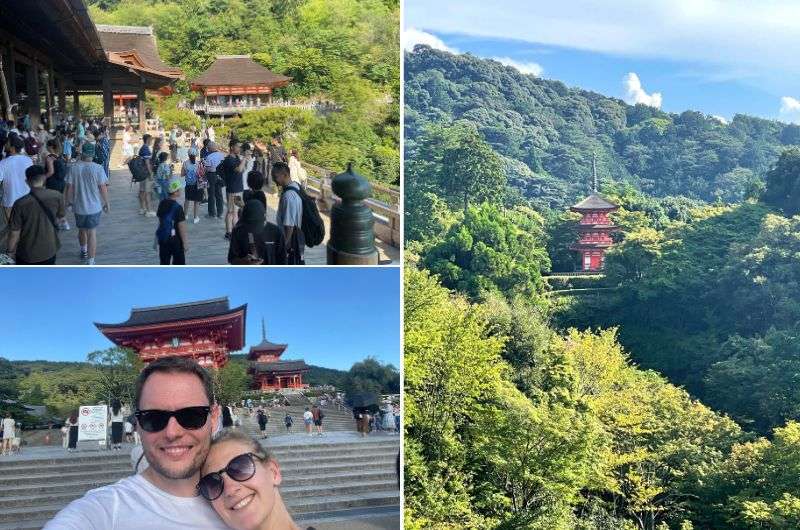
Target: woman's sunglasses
x: 240, y: 468
x: 191, y: 418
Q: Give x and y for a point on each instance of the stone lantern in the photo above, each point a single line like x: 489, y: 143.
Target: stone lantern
x: 352, y: 240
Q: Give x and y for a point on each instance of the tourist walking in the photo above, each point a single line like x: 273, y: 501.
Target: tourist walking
x: 308, y: 419
x: 87, y: 194
x: 276, y: 153
x: 290, y: 214
x: 163, y: 175
x: 127, y: 146
x: 297, y: 171
x: 117, y: 420
x: 227, y: 417
x: 254, y: 241
x: 146, y: 184
x: 212, y: 161
x: 362, y: 421
x: 232, y: 167
x: 193, y: 193
x: 263, y: 419
x: 288, y: 421
x: 12, y: 174
x: 318, y: 416
x: 33, y: 236
x: 72, y: 423
x: 173, y: 143
x: 172, y: 237
x: 102, y: 151
x: 9, y: 433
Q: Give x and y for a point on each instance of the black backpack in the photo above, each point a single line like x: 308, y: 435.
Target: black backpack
x: 139, y: 169
x: 312, y: 225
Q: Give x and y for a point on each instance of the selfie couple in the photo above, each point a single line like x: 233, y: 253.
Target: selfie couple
x: 192, y: 482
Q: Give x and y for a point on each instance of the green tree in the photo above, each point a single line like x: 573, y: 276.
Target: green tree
x: 230, y: 382
x: 370, y: 375
x: 783, y: 183
x: 117, y: 370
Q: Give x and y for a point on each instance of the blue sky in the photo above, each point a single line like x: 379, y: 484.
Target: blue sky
x: 330, y: 317
x: 718, y: 57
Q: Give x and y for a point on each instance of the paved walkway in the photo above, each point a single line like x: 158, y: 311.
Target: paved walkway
x: 126, y: 238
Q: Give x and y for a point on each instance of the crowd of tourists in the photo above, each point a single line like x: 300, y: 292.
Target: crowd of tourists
x: 48, y: 175
x: 44, y: 175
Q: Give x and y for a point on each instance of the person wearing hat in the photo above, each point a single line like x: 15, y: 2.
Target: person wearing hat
x: 33, y: 239
x: 87, y: 194
x: 171, y: 235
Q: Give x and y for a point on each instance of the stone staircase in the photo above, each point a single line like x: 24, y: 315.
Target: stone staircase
x: 328, y: 483
x: 334, y: 420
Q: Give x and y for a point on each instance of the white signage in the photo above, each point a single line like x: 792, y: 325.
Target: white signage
x: 92, y: 422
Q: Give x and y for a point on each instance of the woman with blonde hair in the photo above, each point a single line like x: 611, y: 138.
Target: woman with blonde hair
x: 241, y: 479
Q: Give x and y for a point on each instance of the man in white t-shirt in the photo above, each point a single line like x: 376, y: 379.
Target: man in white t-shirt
x: 12, y: 174
x: 9, y: 433
x: 175, y: 418
x: 214, y: 177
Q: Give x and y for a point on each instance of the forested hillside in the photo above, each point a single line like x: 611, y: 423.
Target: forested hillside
x: 340, y: 51
x: 661, y: 395
x: 547, y: 133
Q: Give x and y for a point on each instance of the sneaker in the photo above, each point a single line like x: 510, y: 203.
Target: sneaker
x: 150, y: 214
x: 142, y: 211
x: 90, y: 261
x: 209, y: 216
x: 196, y: 220
x: 228, y: 236
x: 84, y: 254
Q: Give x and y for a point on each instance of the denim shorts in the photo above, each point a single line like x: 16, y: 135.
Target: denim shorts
x: 87, y: 222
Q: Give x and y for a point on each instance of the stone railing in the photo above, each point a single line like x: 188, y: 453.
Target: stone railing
x: 235, y: 109
x: 386, y: 212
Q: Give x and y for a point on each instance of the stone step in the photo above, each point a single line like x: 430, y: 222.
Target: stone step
x: 80, y: 482
x: 319, y: 490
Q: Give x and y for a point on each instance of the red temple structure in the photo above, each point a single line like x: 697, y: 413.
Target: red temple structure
x: 206, y: 331
x: 269, y: 371
x: 594, y: 228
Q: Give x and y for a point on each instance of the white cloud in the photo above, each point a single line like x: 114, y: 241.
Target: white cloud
x: 790, y: 109
x: 636, y: 94
x: 720, y: 119
x: 413, y: 36
x: 523, y: 67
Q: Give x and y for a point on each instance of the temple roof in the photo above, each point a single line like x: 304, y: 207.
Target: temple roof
x: 267, y: 346
x: 594, y: 201
x: 175, y: 312
x: 235, y: 70
x: 281, y: 366
x: 123, y: 40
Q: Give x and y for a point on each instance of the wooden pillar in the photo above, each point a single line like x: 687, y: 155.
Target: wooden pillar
x: 76, y: 107
x: 108, y: 100
x: 50, y: 89
x: 62, y: 96
x: 12, y: 78
x: 34, y: 101
x: 142, y: 99
x: 4, y: 80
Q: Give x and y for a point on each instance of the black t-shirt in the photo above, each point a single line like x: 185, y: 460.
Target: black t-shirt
x: 164, y: 208
x: 233, y: 178
x: 249, y: 195
x: 271, y: 246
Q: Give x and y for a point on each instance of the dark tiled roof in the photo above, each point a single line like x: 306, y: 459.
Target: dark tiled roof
x: 234, y: 70
x: 266, y: 345
x: 280, y: 366
x: 139, y: 38
x: 595, y: 201
x: 171, y: 313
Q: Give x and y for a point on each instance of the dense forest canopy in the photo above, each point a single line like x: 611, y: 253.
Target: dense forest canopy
x: 548, y: 132
x: 342, y: 51
x: 659, y: 395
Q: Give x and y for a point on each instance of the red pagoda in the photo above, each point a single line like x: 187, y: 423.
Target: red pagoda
x: 594, y: 228
x: 206, y: 331
x: 269, y: 371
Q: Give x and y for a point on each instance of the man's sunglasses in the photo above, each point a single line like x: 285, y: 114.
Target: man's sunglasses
x: 240, y: 468
x: 191, y: 418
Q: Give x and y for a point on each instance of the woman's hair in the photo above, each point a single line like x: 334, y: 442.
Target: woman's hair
x: 255, y: 180
x: 115, y: 406
x: 232, y: 435
x: 54, y: 146
x: 73, y: 418
x: 162, y: 156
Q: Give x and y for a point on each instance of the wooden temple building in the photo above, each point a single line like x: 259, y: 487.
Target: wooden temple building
x: 269, y: 371
x: 233, y: 84
x: 594, y: 229
x: 51, y: 48
x: 206, y: 331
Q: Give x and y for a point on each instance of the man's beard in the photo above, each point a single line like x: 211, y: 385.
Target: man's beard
x: 177, y: 474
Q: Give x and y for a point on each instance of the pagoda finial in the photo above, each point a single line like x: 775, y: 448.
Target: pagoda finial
x: 263, y: 329
x: 594, y: 172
